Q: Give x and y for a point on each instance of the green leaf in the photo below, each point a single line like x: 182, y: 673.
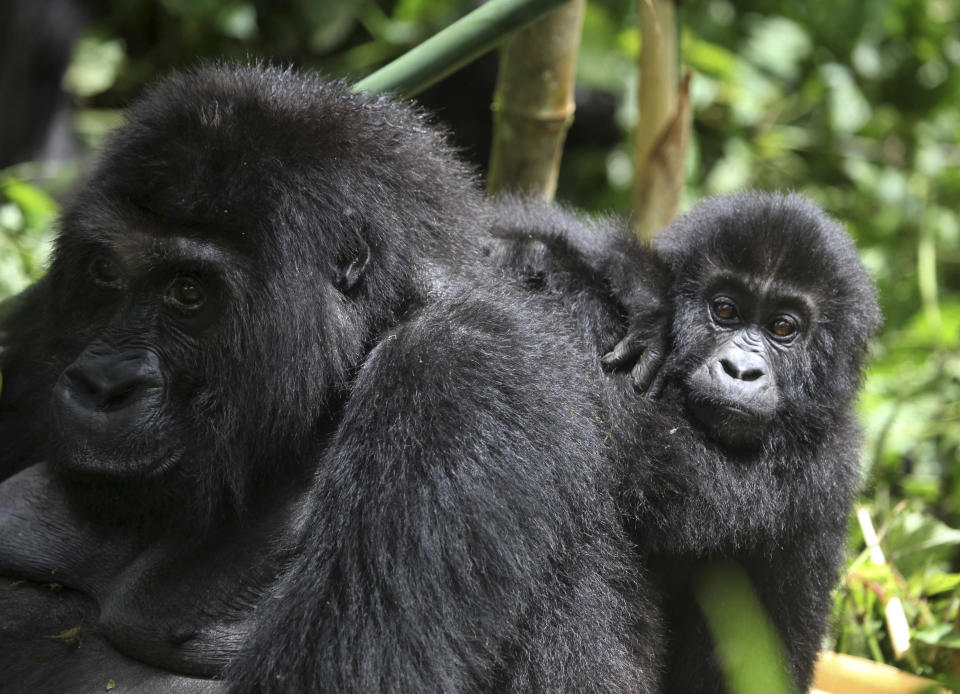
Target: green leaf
x: 940, y: 583
x: 38, y: 207
x: 96, y: 64
x: 848, y: 109
x: 237, y: 21
x: 942, y: 635
x: 69, y: 636
x: 779, y: 45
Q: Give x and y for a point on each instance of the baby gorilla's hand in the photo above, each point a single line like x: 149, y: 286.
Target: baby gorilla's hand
x: 640, y: 281
x: 642, y: 351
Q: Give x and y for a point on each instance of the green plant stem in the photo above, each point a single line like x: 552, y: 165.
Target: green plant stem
x: 927, y: 279
x: 455, y: 46
x: 748, y: 645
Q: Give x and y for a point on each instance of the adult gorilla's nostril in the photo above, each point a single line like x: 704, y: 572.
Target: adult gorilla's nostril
x: 110, y: 382
x: 80, y: 384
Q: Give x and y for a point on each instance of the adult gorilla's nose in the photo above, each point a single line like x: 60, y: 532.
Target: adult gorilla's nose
x: 108, y: 391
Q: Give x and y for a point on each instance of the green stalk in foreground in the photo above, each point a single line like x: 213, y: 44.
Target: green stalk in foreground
x: 455, y: 46
x: 747, y: 643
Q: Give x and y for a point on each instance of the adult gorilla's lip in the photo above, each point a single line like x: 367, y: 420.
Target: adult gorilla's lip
x: 103, y: 464
x: 163, y: 463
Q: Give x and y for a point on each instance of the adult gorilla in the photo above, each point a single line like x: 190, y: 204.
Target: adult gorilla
x: 277, y: 423
x: 747, y: 449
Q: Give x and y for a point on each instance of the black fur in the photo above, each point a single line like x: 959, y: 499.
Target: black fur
x: 769, y: 488
x: 361, y: 461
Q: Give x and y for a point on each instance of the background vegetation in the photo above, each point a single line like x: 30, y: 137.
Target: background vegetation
x: 855, y: 104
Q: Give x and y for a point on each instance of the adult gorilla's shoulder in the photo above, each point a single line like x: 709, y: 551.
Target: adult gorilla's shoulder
x: 300, y: 434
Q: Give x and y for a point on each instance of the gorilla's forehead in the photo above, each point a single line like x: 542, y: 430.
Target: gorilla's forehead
x: 772, y: 259
x: 138, y: 239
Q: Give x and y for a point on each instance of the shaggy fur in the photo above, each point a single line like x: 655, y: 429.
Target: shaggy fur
x: 381, y: 464
x: 776, y: 501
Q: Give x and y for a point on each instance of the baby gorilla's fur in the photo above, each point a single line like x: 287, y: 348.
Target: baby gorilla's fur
x: 746, y: 447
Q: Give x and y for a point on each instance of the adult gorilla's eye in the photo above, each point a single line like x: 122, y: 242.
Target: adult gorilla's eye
x: 783, y: 327
x: 105, y: 272
x: 724, y: 309
x: 186, y: 292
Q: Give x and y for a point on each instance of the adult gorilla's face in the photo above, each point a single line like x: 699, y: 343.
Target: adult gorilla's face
x: 149, y: 306
x: 213, y: 287
x: 188, y: 364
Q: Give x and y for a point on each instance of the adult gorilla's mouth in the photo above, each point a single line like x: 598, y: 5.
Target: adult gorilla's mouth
x: 110, y: 465
x: 163, y: 464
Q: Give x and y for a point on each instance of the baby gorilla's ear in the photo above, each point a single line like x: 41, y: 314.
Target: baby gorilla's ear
x: 350, y: 270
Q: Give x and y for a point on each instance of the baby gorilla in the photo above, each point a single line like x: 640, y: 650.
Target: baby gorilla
x: 746, y: 447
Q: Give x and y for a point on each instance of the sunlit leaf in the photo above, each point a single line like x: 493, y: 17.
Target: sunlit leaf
x: 96, y: 63
x: 848, y: 109
x: 778, y: 44
x: 37, y: 206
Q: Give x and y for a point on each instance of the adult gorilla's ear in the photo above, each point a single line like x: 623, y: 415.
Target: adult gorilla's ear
x: 351, y: 268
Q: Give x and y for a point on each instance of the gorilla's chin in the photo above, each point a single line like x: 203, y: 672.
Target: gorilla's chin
x: 731, y: 424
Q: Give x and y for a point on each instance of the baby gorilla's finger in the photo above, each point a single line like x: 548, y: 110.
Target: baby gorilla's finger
x: 624, y: 352
x: 645, y: 372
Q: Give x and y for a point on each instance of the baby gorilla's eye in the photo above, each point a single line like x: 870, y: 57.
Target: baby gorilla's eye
x: 783, y: 327
x: 724, y: 309
x: 186, y: 293
x: 105, y: 272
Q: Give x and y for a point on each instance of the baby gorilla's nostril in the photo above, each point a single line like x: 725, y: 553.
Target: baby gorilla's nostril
x: 741, y: 374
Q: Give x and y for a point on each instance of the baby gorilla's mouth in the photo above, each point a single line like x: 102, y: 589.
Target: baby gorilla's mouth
x: 731, y: 423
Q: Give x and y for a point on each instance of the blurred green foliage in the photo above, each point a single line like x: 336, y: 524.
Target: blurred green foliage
x: 855, y: 104
x: 27, y: 214
x: 748, y: 646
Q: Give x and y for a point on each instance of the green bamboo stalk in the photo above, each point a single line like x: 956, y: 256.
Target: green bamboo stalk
x: 533, y: 104
x: 657, y: 64
x: 927, y: 281
x: 455, y: 46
